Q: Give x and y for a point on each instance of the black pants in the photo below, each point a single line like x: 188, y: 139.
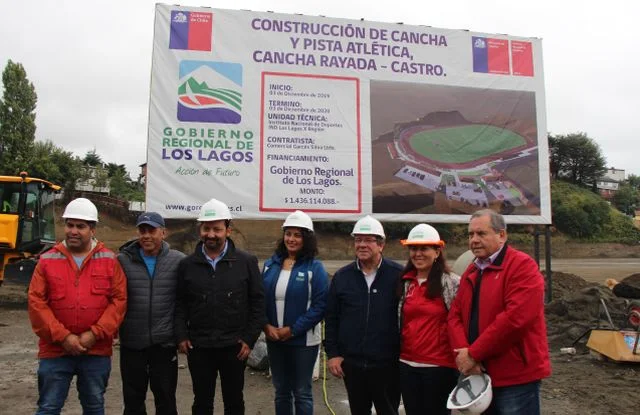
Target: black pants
x: 155, y: 366
x: 372, y: 385
x: 204, y: 365
x: 425, y: 390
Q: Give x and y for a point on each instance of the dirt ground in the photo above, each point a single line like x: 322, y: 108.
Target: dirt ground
x: 580, y: 384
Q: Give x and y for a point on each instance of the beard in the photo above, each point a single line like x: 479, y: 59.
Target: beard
x: 214, y: 244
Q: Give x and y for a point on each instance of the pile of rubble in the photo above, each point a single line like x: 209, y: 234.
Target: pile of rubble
x: 576, y: 308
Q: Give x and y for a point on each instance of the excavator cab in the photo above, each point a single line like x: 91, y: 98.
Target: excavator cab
x: 27, y: 224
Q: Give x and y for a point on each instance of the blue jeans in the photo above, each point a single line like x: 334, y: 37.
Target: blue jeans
x: 516, y: 400
x: 291, y: 371
x: 54, y: 379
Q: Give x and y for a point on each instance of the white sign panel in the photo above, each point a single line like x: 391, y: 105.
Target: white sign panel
x: 271, y: 113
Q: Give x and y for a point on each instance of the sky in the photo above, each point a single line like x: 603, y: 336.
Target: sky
x: 90, y: 62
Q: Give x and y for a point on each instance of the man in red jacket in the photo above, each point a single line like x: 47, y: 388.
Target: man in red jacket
x: 496, y: 323
x: 77, y: 300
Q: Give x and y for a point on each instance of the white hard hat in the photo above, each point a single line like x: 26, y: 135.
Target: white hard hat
x: 463, y: 262
x: 82, y: 209
x: 368, y: 226
x: 472, y: 394
x: 214, y: 210
x: 298, y: 219
x: 423, y: 234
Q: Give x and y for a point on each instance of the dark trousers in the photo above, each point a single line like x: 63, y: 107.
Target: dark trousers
x: 372, y: 385
x: 204, y: 365
x: 154, y: 366
x: 425, y: 390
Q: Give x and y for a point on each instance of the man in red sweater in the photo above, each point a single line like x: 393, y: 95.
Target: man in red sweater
x: 496, y: 323
x: 77, y: 300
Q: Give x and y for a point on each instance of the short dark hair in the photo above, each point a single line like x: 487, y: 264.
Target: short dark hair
x: 92, y: 224
x: 227, y: 224
x: 309, y: 246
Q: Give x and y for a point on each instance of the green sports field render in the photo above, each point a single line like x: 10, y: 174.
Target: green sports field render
x: 464, y: 144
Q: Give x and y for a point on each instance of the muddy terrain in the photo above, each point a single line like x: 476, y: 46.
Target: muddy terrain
x: 580, y: 383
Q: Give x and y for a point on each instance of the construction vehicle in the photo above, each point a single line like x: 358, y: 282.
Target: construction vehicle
x: 27, y: 226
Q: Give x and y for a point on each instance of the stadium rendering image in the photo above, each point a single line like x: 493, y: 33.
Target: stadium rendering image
x: 447, y: 162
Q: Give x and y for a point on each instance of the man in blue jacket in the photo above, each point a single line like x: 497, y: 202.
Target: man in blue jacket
x: 362, y: 337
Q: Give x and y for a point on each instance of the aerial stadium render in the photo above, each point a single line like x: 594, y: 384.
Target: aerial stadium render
x: 459, y: 164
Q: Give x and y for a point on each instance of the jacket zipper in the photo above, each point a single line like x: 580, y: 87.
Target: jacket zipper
x: 366, y: 323
x: 150, y: 304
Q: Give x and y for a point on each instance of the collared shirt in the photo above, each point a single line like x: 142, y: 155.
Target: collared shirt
x: 370, y: 277
x: 217, y: 259
x: 484, y: 263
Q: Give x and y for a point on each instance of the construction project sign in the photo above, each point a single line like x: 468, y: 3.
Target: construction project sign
x: 271, y: 113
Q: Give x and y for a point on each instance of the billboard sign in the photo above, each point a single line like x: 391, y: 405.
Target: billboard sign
x: 273, y: 112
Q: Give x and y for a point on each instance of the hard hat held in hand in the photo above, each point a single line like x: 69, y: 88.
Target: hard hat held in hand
x: 423, y: 234
x: 298, y: 219
x: 82, y: 209
x: 472, y: 394
x: 214, y: 210
x: 368, y: 226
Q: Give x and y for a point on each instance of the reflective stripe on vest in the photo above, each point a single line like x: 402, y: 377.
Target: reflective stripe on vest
x: 53, y: 255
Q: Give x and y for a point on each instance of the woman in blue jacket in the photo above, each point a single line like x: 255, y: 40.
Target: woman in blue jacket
x: 296, y: 287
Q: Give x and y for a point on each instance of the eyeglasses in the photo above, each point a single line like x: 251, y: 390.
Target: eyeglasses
x: 369, y: 240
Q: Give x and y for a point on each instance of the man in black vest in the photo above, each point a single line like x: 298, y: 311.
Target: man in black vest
x: 147, y: 340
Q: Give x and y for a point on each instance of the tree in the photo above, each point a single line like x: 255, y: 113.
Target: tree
x: 54, y: 164
x: 576, y: 158
x: 92, y: 159
x: 626, y: 199
x: 17, y: 119
x: 634, y: 181
x: 114, y: 169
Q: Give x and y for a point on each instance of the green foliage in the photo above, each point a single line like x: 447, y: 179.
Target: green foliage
x: 626, y: 199
x: 92, y: 159
x: 577, y: 212
x: 122, y: 186
x: 114, y: 169
x: 634, y: 181
x: 54, y: 164
x: 580, y: 213
x: 620, y: 229
x: 576, y: 158
x: 17, y: 119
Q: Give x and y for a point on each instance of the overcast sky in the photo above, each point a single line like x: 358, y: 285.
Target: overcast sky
x: 90, y: 62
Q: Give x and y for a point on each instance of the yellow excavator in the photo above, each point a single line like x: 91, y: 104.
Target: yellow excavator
x: 27, y: 226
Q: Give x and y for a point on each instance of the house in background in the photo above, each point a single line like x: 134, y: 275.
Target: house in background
x: 609, y: 184
x: 142, y: 179
x: 94, y: 180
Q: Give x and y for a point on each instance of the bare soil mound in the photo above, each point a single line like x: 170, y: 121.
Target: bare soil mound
x: 633, y: 279
x: 577, y: 307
